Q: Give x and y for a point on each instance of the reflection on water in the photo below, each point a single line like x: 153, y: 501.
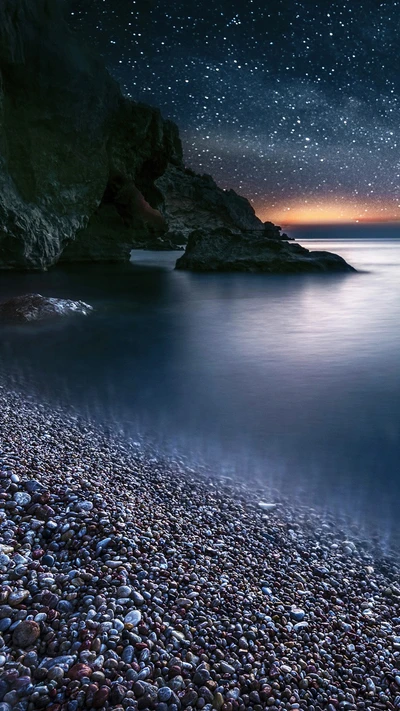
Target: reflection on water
x: 294, y: 379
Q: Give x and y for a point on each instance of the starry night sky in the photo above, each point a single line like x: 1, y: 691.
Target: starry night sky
x: 293, y: 103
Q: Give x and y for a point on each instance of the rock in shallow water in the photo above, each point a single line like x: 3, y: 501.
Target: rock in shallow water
x: 35, y: 307
x: 221, y: 250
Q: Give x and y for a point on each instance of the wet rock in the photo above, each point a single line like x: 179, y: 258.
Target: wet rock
x: 218, y: 701
x: 137, y: 598
x: 201, y: 676
x: 226, y: 668
x: 64, y: 662
x: 48, y: 560
x: 189, y: 698
x: 35, y: 307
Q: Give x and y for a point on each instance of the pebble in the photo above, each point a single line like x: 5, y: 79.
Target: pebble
x: 16, y: 597
x: 48, y: 560
x: 226, y: 668
x: 22, y: 498
x: 296, y: 613
x: 137, y: 598
x: 244, y: 605
x: 5, y: 623
x: 26, y: 633
x: 165, y: 694
x: 133, y: 618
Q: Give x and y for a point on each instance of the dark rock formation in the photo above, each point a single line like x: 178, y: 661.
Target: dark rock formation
x: 272, y: 231
x: 77, y: 161
x: 35, y: 307
x: 85, y: 174
x: 140, y: 145
x: 221, y: 250
x: 192, y: 201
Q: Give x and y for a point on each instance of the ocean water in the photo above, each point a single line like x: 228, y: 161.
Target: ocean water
x: 294, y: 380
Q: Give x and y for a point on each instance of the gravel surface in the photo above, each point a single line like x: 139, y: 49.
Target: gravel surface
x: 128, y: 583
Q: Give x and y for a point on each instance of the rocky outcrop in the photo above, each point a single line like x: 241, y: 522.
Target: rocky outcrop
x: 77, y: 161
x: 86, y: 175
x: 140, y: 145
x: 222, y: 250
x: 192, y: 201
x: 35, y: 307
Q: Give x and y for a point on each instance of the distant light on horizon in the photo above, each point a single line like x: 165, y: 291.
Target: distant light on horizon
x: 328, y: 211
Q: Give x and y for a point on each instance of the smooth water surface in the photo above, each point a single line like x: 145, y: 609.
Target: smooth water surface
x: 295, y: 379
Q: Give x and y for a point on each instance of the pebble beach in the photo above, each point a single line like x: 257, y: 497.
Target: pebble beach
x: 130, y: 583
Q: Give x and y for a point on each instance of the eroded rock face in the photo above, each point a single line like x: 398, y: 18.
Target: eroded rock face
x: 192, y: 201
x: 140, y: 145
x: 221, y: 250
x: 35, y: 307
x: 77, y: 161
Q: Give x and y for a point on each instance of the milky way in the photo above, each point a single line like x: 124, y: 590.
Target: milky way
x: 294, y: 104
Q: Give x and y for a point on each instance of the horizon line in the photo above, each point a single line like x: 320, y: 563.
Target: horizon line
x: 350, y: 223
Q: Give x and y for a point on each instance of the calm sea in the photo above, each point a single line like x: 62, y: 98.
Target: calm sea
x: 291, y: 379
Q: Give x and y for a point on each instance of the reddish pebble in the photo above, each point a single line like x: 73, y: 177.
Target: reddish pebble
x: 78, y: 671
x: 100, y: 697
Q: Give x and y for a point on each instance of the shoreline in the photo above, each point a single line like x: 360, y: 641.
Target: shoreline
x: 130, y: 584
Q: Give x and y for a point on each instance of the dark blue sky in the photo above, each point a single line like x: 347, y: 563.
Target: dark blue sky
x: 293, y: 103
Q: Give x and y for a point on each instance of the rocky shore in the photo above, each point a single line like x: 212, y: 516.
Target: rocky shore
x: 127, y: 584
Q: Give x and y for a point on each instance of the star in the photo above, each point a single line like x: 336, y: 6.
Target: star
x: 286, y: 101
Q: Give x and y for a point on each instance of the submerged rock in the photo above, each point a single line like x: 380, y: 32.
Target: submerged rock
x: 35, y: 307
x: 222, y: 250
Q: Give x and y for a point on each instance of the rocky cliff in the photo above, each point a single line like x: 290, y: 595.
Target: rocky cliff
x: 85, y: 174
x: 77, y: 161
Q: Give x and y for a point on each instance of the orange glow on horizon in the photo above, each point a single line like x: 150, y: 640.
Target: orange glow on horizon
x: 328, y: 212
